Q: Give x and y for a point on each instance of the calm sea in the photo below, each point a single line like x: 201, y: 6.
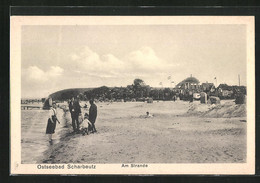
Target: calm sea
x: 33, y: 138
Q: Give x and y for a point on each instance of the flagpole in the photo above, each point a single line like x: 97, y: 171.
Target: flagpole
x: 170, y: 78
x: 159, y: 90
x: 238, y: 80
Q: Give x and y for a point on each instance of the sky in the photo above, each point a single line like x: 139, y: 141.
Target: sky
x: 83, y: 56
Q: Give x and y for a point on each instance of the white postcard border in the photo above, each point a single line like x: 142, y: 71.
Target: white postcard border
x: 16, y: 23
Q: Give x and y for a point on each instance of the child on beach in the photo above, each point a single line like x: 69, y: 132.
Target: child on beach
x: 86, y: 125
x: 51, y: 125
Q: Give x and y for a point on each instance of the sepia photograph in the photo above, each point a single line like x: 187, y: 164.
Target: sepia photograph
x: 132, y: 95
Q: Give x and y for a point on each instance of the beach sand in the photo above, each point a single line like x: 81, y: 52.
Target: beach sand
x: 173, y: 135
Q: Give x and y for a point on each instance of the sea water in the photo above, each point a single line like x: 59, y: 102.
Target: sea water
x: 34, y: 140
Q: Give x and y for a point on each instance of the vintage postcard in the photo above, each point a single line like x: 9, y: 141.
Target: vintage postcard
x: 131, y: 95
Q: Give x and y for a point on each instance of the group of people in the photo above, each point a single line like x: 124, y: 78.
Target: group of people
x: 75, y: 111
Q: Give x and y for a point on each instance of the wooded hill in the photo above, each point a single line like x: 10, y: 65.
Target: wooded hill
x: 68, y: 93
x: 138, y: 91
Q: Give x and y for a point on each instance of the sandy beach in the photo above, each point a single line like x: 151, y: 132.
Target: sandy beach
x: 178, y: 132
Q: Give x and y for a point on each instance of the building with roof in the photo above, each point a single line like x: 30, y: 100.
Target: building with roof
x: 189, y: 83
x: 207, y: 87
x: 225, y: 91
x: 187, y: 87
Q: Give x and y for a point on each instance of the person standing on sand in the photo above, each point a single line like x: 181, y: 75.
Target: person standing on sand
x: 51, y: 125
x: 93, y: 114
x: 75, y: 110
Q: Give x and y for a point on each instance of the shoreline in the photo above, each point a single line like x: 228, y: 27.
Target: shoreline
x: 168, y: 137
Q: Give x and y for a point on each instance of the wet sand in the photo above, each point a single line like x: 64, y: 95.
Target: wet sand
x: 171, y: 136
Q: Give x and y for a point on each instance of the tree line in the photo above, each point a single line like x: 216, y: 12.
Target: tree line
x: 137, y: 91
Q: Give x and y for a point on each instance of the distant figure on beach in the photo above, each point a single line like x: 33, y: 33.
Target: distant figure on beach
x: 75, y: 110
x: 191, y: 98
x: 93, y: 114
x: 51, y: 125
x: 148, y: 115
x: 47, y: 104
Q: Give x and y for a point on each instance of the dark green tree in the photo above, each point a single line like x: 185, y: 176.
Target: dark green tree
x: 138, y: 88
x: 139, y: 82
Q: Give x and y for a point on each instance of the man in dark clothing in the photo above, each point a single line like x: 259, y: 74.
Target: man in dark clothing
x: 75, y: 110
x: 93, y: 114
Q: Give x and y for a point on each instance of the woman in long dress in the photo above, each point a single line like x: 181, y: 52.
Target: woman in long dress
x: 52, y: 120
